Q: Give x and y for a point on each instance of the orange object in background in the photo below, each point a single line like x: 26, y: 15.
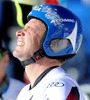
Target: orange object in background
x: 52, y: 2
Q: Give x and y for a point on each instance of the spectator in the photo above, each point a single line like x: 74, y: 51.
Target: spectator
x: 9, y: 87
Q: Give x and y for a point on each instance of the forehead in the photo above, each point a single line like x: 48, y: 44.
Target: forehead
x: 36, y: 22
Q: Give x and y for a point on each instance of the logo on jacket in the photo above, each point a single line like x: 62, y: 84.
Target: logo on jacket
x: 55, y: 84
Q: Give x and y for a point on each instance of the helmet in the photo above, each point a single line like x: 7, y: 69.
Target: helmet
x: 64, y: 32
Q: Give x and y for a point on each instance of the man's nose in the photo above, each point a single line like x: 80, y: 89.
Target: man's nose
x: 20, y: 33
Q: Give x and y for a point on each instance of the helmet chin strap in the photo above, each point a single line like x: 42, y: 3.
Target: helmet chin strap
x: 37, y: 56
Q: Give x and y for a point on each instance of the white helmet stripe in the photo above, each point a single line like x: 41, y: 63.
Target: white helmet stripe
x: 72, y: 36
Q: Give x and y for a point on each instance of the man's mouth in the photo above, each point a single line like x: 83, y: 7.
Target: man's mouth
x: 20, y: 43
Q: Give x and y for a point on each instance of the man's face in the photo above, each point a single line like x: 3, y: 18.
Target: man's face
x: 29, y: 38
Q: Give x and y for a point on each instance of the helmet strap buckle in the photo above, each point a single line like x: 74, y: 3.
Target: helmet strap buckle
x: 37, y: 56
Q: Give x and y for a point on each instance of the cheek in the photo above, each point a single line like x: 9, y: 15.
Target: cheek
x: 37, y: 43
x: 29, y: 47
x: 34, y: 40
x: 32, y: 43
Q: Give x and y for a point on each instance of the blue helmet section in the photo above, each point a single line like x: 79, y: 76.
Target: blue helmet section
x: 61, y: 24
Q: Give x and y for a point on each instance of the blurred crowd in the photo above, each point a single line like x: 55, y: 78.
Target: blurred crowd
x: 13, y: 17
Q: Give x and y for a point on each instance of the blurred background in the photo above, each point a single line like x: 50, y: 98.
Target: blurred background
x: 13, y: 17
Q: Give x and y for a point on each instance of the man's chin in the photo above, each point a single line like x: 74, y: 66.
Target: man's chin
x: 17, y: 55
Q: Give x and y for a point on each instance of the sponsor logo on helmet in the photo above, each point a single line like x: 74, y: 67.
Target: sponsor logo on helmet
x: 67, y: 20
x: 53, y: 16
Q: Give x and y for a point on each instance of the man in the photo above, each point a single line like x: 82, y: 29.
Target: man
x: 51, y: 35
x: 9, y: 87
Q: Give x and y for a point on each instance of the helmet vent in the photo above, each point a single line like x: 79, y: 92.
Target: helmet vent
x: 57, y: 45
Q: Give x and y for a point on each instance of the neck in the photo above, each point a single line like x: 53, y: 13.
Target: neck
x: 33, y: 71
